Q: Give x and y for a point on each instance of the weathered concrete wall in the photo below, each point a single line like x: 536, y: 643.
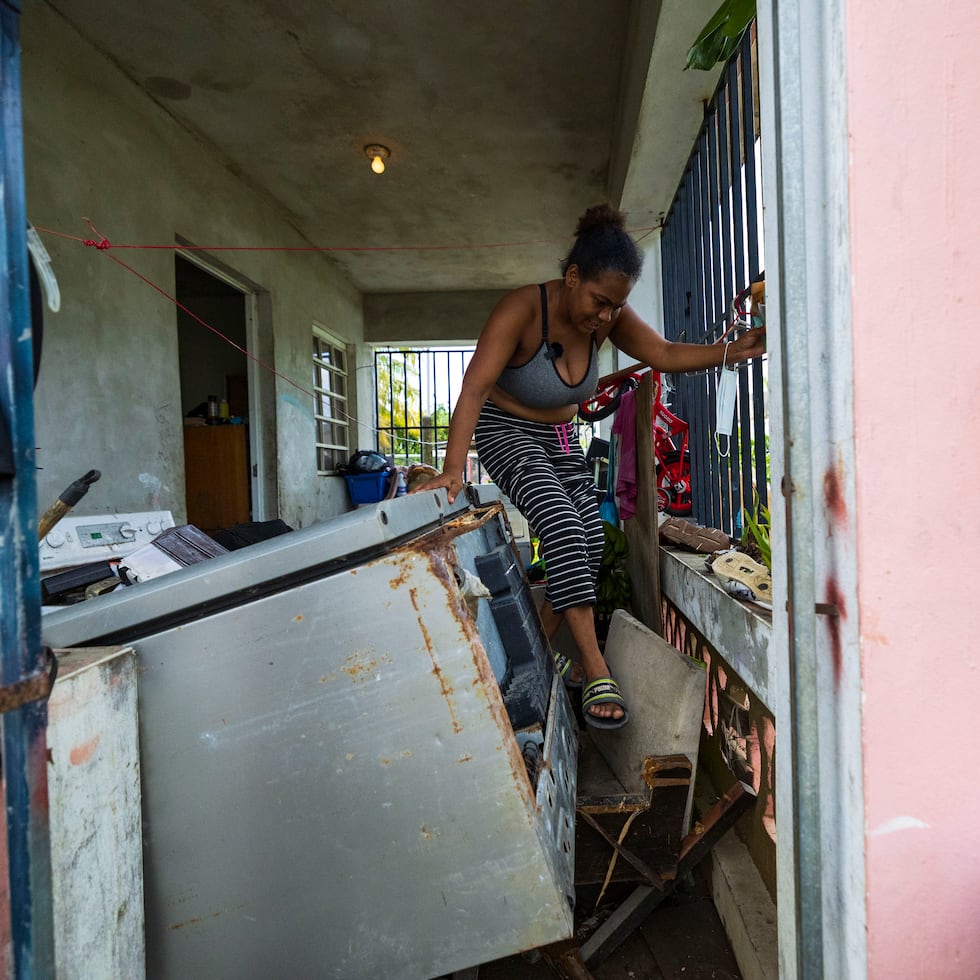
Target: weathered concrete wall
x: 109, y: 392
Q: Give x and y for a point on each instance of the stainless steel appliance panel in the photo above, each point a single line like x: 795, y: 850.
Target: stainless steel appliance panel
x: 332, y: 785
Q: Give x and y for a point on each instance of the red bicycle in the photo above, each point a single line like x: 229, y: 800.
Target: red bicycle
x: 670, y: 436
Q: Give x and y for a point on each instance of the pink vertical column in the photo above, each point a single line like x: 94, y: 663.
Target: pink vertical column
x: 914, y: 125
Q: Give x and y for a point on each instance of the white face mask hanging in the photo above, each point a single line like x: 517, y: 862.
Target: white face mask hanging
x: 726, y: 388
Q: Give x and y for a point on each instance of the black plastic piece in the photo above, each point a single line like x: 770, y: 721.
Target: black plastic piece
x: 242, y: 535
x: 75, y: 579
x: 526, y: 687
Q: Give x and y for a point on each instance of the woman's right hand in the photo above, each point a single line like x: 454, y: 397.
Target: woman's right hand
x: 453, y: 485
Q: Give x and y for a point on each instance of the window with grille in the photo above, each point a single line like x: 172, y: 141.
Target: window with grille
x: 330, y: 404
x: 417, y: 391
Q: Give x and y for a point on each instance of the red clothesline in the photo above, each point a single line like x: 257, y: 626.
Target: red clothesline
x: 103, y: 244
x: 214, y: 330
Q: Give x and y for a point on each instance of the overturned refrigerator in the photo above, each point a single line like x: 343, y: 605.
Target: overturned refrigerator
x: 357, y: 760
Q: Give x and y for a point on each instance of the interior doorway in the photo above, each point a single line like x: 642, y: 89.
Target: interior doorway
x: 214, y: 393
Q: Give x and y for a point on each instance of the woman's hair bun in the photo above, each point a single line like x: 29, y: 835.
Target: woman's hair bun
x: 602, y: 244
x: 598, y: 216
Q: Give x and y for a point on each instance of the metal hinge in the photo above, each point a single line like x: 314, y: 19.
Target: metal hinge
x: 37, y: 687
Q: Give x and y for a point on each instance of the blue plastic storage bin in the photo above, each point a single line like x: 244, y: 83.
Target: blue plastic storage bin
x: 367, y: 488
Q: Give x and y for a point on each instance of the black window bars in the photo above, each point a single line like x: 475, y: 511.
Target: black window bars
x: 711, y: 250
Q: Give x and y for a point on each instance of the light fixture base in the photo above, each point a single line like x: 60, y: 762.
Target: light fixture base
x: 377, y: 154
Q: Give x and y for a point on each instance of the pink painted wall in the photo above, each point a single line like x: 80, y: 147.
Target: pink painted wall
x: 913, y: 104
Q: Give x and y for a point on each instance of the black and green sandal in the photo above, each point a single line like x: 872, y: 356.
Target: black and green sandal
x: 564, y: 665
x: 603, y: 690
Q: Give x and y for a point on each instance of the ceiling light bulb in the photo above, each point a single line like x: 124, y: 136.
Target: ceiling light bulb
x: 377, y: 154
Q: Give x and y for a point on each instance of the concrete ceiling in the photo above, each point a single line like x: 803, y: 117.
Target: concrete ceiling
x: 504, y: 120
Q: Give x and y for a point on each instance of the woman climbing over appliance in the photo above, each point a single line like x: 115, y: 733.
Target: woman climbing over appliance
x: 536, y: 359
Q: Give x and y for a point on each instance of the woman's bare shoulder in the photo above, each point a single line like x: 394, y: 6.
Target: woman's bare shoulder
x: 522, y: 300
x: 516, y: 312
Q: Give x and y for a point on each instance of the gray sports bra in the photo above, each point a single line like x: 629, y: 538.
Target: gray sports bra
x: 537, y: 383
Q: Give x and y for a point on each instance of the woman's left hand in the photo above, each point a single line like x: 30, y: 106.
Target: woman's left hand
x: 453, y: 484
x: 750, y: 344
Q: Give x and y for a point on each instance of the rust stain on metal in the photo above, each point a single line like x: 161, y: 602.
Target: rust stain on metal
x: 298, y: 619
x: 833, y: 492
x: 650, y: 771
x: 359, y: 670
x: 427, y: 834
x: 37, y: 755
x: 654, y: 765
x: 835, y: 598
x: 438, y: 547
x: 465, y: 758
x: 195, y: 920
x: 491, y: 691
x: 444, y: 686
x: 385, y: 762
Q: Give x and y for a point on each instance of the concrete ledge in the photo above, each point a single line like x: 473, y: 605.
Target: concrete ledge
x: 739, y: 634
x: 744, y: 905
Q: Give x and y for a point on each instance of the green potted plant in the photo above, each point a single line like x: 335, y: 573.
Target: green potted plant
x: 755, y: 538
x: 613, y: 587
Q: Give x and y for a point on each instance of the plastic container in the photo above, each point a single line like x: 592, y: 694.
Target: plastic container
x: 367, y: 488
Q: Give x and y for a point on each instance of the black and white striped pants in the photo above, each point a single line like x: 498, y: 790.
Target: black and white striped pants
x: 548, y: 481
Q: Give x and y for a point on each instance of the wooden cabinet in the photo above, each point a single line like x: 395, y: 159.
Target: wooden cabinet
x: 216, y: 472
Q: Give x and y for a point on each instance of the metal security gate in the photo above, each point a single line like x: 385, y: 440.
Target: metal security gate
x: 417, y: 389
x: 712, y: 253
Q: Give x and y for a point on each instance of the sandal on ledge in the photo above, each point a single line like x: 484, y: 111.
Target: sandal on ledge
x: 603, y: 690
x: 565, y: 665
x: 743, y: 577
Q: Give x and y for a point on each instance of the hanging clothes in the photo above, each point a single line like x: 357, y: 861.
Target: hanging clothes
x: 624, y: 425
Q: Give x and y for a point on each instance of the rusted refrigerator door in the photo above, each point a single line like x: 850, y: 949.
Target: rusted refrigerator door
x: 357, y: 760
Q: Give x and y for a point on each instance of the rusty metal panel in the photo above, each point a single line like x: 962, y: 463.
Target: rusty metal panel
x: 333, y: 785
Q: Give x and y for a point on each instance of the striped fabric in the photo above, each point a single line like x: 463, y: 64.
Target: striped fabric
x: 548, y: 481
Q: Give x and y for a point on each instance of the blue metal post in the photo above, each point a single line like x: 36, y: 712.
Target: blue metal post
x: 24, y: 747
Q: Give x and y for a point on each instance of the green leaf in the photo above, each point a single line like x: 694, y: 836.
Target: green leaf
x: 760, y: 531
x: 720, y: 37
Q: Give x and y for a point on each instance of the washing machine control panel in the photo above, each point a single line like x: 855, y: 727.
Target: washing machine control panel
x: 76, y: 540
